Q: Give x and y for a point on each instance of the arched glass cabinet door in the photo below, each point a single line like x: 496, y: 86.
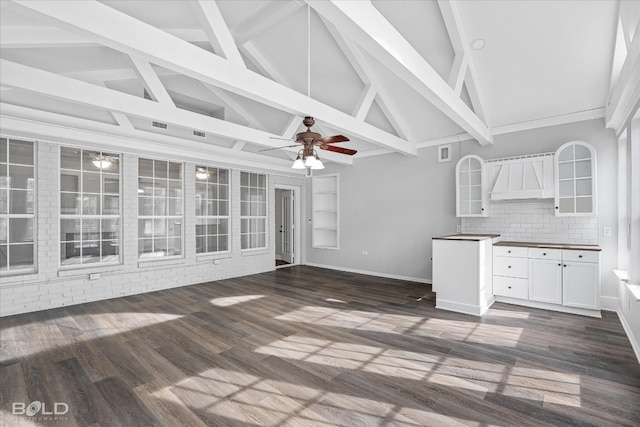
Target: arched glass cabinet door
x: 575, y: 192
x: 470, y: 197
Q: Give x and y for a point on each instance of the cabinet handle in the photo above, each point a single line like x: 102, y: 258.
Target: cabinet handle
x: 565, y: 265
x: 556, y: 207
x: 508, y: 252
x: 481, y: 209
x: 509, y: 266
x: 559, y: 265
x: 579, y: 256
x: 544, y: 254
x: 509, y: 287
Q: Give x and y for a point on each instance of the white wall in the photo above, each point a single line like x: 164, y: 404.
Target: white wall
x: 391, y: 206
x: 54, y: 287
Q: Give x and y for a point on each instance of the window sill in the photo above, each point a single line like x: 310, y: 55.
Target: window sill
x: 160, y: 261
x: 82, y: 269
x: 213, y: 256
x: 257, y: 251
x: 18, y: 277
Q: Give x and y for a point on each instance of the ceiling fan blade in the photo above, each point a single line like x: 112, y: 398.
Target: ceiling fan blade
x: 340, y: 150
x: 284, y: 139
x: 278, y: 148
x: 332, y: 139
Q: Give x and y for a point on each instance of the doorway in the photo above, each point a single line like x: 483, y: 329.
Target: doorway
x: 287, y: 237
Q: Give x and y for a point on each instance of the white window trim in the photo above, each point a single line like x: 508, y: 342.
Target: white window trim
x: 228, y: 251
x: 249, y: 217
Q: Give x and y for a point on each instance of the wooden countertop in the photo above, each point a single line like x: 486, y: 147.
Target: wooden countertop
x: 549, y: 245
x: 468, y: 237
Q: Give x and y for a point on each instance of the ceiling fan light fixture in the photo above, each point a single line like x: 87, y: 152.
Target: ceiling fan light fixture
x: 202, y: 174
x: 310, y: 161
x: 102, y: 162
x: 317, y: 165
x: 298, y: 163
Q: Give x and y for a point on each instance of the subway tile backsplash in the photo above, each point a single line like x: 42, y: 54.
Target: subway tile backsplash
x: 533, y: 221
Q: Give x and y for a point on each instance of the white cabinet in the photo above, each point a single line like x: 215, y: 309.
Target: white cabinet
x: 545, y: 275
x: 470, y: 187
x: 552, y: 278
x: 581, y: 282
x: 324, y: 215
x: 575, y: 184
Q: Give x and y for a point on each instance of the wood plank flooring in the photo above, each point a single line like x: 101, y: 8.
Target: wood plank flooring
x: 305, y: 346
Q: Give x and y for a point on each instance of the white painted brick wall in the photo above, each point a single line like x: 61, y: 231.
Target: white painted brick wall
x: 52, y: 287
x: 533, y: 221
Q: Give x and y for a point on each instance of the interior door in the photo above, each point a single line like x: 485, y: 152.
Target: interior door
x: 287, y: 227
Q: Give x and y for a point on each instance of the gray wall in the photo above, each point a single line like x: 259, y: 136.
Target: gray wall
x: 391, y: 206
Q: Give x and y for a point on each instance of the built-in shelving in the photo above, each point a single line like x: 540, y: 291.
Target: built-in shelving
x: 324, y: 219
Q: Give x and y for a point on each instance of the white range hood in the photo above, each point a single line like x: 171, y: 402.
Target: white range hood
x: 523, y: 177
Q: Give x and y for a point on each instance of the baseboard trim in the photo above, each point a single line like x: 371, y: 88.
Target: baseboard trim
x: 552, y: 307
x: 610, y: 303
x: 370, y: 273
x: 627, y: 330
x: 474, y: 310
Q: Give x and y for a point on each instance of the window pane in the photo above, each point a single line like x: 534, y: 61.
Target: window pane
x: 110, y: 251
x: 583, y: 168
x: 212, y: 191
x: 69, y: 182
x: 110, y: 229
x: 145, y: 167
x: 91, y: 204
x: 253, y: 180
x: 244, y: 241
x: 582, y: 152
x: 4, y: 252
x: 223, y: 226
x: 90, y: 229
x: 212, y: 244
x: 175, y: 188
x: 175, y: 246
x: 145, y: 206
x: 21, y: 201
x: 88, y: 159
x: 21, y: 177
x: 21, y: 256
x: 201, y: 245
x: 70, y: 230
x: 583, y: 187
x: 70, y: 203
x: 175, y: 207
x: 20, y: 152
x: 223, y: 208
x: 159, y: 169
x: 175, y: 229
x: 223, y: 243
x: 262, y: 181
x: 3, y: 150
x: 223, y: 176
x: 70, y: 158
x: 20, y: 230
x: 4, y: 223
x: 4, y: 200
x: 566, y: 154
x: 175, y: 171
x: 244, y: 179
x: 110, y: 205
x: 145, y: 187
x: 159, y: 206
x: 90, y: 252
x: 90, y: 182
x: 114, y: 166
x: 160, y: 187
x: 145, y: 246
x: 223, y: 192
x: 111, y: 184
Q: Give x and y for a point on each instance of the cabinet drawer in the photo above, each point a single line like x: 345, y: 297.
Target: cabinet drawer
x: 511, y: 267
x: 510, y: 251
x: 541, y: 253
x: 580, y: 256
x: 511, y: 287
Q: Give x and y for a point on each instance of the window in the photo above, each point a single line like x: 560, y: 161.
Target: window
x: 17, y: 211
x: 212, y: 210
x: 253, y: 210
x: 159, y: 209
x: 89, y: 207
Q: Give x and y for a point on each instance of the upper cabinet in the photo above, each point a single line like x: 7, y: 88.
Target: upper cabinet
x: 575, y: 184
x: 470, y: 194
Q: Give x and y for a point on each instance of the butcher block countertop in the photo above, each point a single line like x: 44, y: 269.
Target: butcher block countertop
x: 549, y: 245
x: 469, y: 237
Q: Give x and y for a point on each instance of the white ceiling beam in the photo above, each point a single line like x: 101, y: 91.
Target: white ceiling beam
x: 81, y: 93
x: 269, y: 15
x: 363, y: 23
x: 231, y: 103
x: 67, y: 129
x: 151, y: 81
x: 625, y: 96
x: 455, y: 29
x: 364, y: 103
x: 122, y: 120
x: 458, y: 72
x: 119, y: 31
x: 265, y: 66
x: 217, y: 31
x: 368, y: 76
x: 292, y: 127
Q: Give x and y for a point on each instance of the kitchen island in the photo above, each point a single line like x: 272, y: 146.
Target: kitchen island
x: 462, y: 272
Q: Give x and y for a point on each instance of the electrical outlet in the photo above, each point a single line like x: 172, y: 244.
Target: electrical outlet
x: 606, y: 231
x: 94, y: 276
x: 216, y: 261
x: 365, y: 253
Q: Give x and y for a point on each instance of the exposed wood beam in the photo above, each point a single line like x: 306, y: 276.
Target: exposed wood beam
x: 217, y: 30
x: 151, y: 81
x: 625, y: 96
x: 63, y: 128
x: 364, y: 103
x: 361, y: 66
x: 81, y: 93
x: 455, y: 29
x: 363, y: 23
x: 263, y: 19
x: 126, y: 34
x: 458, y: 72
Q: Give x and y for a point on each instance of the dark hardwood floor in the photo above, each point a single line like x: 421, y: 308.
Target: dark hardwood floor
x: 304, y: 346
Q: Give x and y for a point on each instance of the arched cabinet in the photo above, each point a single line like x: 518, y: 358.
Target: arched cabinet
x: 470, y: 183
x: 575, y: 170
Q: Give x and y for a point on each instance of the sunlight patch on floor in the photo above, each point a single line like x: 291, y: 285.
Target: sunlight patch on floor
x: 228, y: 301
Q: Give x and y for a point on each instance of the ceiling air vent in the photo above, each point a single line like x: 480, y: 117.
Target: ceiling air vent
x: 159, y: 125
x: 198, y: 133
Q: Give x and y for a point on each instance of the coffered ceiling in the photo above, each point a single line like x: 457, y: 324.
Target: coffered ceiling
x: 394, y: 76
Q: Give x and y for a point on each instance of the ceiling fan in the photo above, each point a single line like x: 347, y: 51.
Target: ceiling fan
x: 308, y: 157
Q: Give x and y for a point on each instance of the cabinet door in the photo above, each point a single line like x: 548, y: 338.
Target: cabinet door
x: 580, y: 285
x: 545, y: 281
x: 575, y: 168
x: 470, y: 194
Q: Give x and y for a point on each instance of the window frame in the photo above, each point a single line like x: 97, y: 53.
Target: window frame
x: 218, y: 217
x: 34, y: 216
x: 99, y: 217
x: 250, y: 217
x: 155, y: 258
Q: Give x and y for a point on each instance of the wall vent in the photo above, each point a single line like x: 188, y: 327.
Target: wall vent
x: 199, y: 133
x: 159, y: 125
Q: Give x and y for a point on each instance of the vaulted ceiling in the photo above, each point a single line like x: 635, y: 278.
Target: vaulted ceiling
x: 392, y: 75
